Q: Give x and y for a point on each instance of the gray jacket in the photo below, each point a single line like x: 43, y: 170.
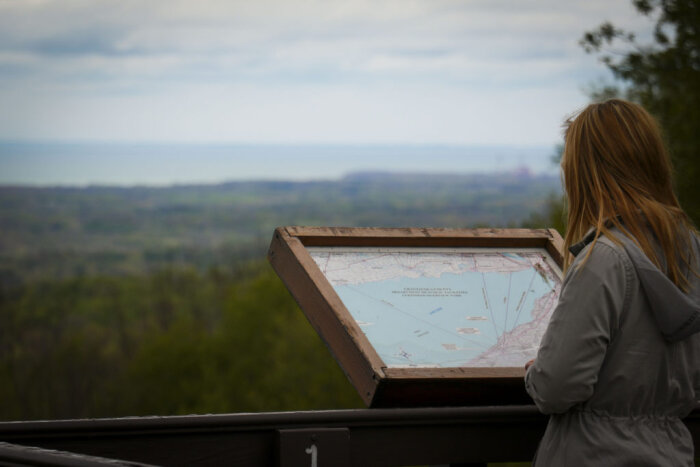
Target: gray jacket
x: 619, y: 364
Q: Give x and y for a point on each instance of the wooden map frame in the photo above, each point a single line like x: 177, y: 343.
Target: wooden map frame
x: 377, y: 384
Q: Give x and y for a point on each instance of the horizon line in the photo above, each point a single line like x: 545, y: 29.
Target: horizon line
x: 522, y: 171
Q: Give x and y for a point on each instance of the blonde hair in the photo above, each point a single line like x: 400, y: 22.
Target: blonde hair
x: 617, y: 172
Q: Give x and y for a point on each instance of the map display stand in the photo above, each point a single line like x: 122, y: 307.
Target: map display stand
x: 425, y: 317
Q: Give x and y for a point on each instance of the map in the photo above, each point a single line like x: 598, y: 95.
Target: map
x: 446, y: 307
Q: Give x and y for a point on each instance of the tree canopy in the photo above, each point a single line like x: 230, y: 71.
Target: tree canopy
x: 663, y: 75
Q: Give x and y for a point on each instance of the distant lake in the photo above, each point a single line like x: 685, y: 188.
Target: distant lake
x: 164, y: 164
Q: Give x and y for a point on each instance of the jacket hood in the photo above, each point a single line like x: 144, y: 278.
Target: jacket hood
x: 676, y: 313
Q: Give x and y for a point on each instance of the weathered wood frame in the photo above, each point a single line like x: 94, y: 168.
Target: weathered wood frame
x: 378, y: 385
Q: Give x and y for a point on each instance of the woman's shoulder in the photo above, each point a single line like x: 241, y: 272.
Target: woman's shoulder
x: 604, y: 254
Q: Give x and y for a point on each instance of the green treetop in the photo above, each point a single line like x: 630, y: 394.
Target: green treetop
x: 663, y: 75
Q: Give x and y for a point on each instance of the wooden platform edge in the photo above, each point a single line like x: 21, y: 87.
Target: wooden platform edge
x: 555, y: 247
x: 515, y: 373
x: 417, y: 237
x: 316, y: 298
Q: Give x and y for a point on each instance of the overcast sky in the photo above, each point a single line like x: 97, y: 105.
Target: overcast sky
x: 293, y: 71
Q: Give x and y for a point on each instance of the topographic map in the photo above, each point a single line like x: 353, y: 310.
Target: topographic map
x: 439, y: 307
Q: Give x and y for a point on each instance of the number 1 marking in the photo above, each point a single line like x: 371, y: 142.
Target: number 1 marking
x: 314, y: 455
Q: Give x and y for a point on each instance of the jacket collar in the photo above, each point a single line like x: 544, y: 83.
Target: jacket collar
x: 590, y: 235
x: 576, y: 248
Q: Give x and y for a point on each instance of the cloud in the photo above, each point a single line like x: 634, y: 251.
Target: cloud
x: 278, y: 34
x: 147, y: 58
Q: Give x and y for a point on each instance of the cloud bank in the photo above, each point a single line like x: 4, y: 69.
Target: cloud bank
x: 408, y: 71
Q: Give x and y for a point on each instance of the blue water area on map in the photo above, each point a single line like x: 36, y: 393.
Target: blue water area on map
x: 426, y: 320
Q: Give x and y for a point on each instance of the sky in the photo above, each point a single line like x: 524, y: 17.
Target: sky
x: 298, y: 71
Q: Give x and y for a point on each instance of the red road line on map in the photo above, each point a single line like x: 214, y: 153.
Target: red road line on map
x: 527, y: 292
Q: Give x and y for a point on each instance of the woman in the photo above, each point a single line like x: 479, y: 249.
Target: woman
x: 619, y: 365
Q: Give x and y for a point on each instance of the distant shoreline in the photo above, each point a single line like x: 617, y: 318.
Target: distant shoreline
x: 363, y: 176
x: 157, y: 164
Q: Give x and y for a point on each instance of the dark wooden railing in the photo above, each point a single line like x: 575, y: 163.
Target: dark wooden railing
x: 366, y: 437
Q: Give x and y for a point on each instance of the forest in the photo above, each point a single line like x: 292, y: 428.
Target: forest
x: 63, y: 232
x: 158, y: 301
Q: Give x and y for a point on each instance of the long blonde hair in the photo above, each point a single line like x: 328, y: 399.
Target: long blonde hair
x: 617, y: 173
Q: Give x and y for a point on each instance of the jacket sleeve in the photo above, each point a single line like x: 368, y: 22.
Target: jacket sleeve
x: 573, y: 347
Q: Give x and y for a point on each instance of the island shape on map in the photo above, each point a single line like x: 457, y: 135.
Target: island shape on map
x: 454, y: 307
